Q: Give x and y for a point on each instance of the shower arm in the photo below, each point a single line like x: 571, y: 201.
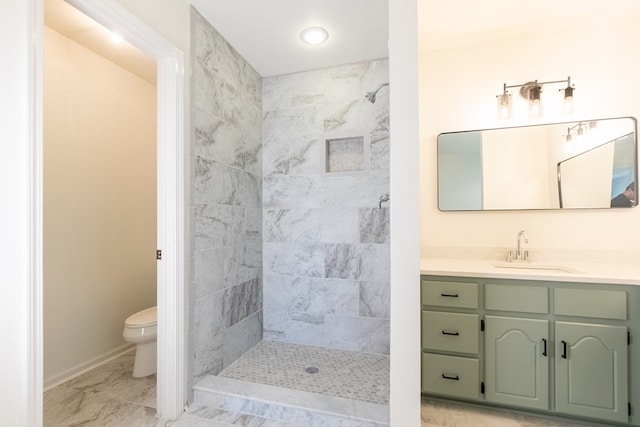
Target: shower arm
x: 371, y: 96
x: 380, y: 87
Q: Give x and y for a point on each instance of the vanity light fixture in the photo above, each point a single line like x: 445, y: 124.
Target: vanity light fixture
x: 314, y: 35
x: 505, y: 104
x: 578, y: 130
x: 531, y: 91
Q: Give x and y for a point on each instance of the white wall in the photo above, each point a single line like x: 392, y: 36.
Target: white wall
x: 99, y: 143
x: 20, y: 166
x: 19, y: 211
x: 457, y: 92
x: 404, y: 402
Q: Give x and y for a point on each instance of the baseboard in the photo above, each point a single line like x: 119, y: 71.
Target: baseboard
x: 80, y: 369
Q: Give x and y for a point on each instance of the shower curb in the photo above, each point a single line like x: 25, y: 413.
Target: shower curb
x: 291, y: 406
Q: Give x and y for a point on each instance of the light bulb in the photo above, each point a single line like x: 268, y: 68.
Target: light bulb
x: 314, y: 35
x: 504, y: 106
x: 535, y: 106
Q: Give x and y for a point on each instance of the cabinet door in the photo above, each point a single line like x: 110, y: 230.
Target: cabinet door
x: 516, y: 361
x: 591, y: 370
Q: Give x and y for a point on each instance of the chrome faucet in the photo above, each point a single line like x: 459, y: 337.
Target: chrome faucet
x: 519, y: 253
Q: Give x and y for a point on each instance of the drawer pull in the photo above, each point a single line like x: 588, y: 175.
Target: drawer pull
x: 449, y: 295
x: 451, y: 377
x: 544, y: 347
x: 564, y: 349
x: 451, y: 333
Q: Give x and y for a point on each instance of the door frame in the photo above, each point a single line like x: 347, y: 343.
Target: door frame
x: 171, y: 229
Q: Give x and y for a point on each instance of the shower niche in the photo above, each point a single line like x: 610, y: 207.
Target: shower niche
x: 346, y: 155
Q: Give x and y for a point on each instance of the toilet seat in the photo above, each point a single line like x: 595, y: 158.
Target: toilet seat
x: 143, y: 319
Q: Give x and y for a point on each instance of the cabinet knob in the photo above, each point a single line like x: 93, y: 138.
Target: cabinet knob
x: 450, y: 377
x: 451, y: 333
x: 564, y: 349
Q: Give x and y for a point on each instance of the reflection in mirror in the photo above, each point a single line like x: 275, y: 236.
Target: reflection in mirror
x: 582, y: 164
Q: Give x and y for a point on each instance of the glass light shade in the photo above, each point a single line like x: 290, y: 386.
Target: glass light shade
x: 567, y: 106
x: 314, y: 35
x: 505, y: 106
x: 535, y: 106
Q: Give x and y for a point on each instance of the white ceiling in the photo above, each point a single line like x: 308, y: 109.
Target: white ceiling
x: 266, y: 33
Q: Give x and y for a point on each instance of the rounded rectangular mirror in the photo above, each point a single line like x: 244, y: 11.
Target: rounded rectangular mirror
x: 572, y: 165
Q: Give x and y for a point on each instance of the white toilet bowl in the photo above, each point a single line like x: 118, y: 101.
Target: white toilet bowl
x: 141, y: 329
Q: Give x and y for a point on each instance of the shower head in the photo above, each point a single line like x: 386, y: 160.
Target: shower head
x: 371, y: 96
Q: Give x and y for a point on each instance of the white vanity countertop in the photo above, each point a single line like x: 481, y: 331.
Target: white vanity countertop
x: 618, y: 273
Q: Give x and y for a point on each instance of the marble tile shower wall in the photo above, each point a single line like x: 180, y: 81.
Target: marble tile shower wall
x: 226, y: 294
x: 325, y: 241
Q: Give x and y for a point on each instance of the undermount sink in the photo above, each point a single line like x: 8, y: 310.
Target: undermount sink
x: 537, y: 267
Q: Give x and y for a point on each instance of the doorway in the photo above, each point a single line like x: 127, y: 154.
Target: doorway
x: 170, y: 197
x: 99, y: 192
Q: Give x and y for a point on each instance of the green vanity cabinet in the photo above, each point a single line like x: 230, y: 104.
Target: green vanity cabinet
x: 517, y: 348
x: 591, y: 370
x: 450, y: 336
x: 556, y: 347
x: 591, y: 363
x: 517, y: 361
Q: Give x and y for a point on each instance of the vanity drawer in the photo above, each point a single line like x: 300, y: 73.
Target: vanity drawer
x: 600, y: 304
x: 523, y: 299
x: 456, y: 332
x: 449, y: 294
x: 450, y: 375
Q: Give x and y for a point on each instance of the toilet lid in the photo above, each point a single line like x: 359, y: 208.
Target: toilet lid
x: 143, y: 318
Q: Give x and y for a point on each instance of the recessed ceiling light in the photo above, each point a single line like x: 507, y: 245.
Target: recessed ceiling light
x: 314, y: 35
x: 116, y: 38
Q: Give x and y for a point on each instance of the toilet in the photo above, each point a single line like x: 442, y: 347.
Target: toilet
x: 141, y: 329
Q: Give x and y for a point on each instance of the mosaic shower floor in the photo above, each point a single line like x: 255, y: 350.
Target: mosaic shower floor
x: 347, y: 374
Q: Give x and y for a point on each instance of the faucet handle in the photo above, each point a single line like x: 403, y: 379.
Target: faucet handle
x: 509, y: 256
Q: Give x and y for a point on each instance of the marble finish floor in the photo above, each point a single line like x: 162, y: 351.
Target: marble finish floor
x: 105, y: 396
x: 108, y: 396
x: 347, y: 374
x: 437, y: 413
